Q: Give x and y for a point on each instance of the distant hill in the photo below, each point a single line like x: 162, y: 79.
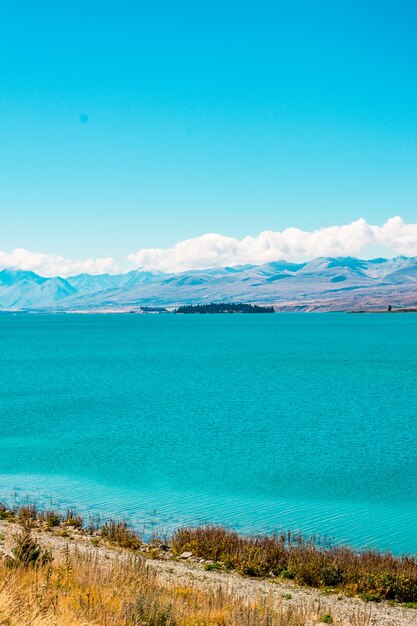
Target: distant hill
x: 26, y: 290
x: 324, y: 284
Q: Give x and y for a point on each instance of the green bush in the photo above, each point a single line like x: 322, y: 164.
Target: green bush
x: 51, y: 518
x: 370, y: 597
x: 331, y: 576
x: 248, y: 570
x: 209, y: 567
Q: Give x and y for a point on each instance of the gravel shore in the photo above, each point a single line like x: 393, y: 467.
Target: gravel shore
x: 190, y: 571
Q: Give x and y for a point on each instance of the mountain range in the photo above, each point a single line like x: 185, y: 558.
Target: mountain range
x: 324, y: 284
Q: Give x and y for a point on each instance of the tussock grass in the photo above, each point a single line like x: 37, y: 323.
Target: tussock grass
x: 83, y: 589
x: 119, y: 534
x: 27, y: 513
x: 27, y: 552
x: 51, y: 518
x: 373, y: 575
x: 71, y: 518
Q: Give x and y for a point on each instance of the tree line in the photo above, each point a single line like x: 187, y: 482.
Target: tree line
x: 225, y: 307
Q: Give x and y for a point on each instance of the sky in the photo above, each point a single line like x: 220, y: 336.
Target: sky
x: 129, y: 127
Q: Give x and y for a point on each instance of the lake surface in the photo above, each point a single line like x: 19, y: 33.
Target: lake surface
x: 260, y: 422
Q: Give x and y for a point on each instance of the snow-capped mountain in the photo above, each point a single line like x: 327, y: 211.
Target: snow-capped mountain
x: 341, y: 283
x: 26, y: 290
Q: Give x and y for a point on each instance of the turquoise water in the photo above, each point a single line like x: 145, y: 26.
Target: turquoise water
x: 261, y: 422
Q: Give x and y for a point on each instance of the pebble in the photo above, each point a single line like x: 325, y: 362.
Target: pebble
x: 185, y: 555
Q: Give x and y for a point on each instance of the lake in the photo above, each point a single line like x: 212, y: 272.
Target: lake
x: 259, y: 422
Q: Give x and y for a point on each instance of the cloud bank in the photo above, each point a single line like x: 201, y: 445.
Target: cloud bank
x: 54, y: 265
x: 291, y: 244
x: 214, y: 250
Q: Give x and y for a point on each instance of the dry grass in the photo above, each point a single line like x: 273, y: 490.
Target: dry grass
x: 371, y: 574
x: 80, y: 590
x: 85, y: 590
x: 119, y: 534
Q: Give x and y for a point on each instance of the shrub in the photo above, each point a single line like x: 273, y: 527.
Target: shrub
x: 5, y: 512
x: 249, y: 570
x: 209, y: 567
x: 373, y: 575
x: 71, y: 518
x: 370, y: 597
x: 51, y: 518
x: 331, y: 576
x: 27, y: 551
x: 121, y: 535
x: 27, y: 513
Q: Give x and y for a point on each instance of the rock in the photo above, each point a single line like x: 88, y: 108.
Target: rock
x: 185, y: 555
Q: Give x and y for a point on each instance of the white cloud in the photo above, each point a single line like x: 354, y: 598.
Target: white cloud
x: 291, y: 244
x: 54, y: 265
x: 214, y: 250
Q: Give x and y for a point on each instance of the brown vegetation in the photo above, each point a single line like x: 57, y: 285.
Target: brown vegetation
x: 371, y: 574
x: 119, y: 534
x: 82, y: 589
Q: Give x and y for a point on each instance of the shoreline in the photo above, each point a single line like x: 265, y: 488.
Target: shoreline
x: 179, y: 560
x: 191, y: 574
x: 276, y: 308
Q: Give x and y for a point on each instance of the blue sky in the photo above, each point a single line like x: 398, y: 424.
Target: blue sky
x: 226, y: 117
